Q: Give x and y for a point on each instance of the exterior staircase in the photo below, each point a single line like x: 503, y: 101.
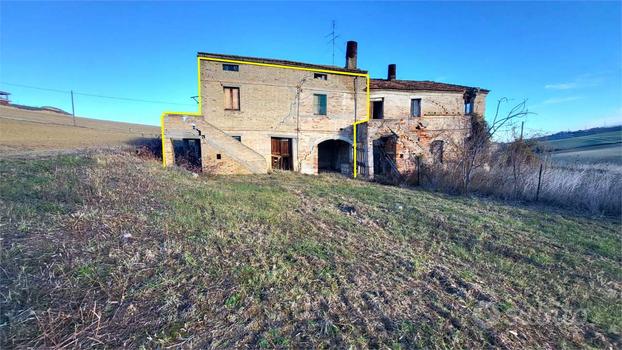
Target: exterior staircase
x: 254, y: 162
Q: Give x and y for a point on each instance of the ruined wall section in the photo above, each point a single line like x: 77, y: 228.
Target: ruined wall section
x: 442, y: 118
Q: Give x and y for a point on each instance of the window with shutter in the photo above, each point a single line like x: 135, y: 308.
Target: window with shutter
x: 232, y: 98
x: 319, y: 104
x: 415, y: 107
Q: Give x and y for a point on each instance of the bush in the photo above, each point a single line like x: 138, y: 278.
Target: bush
x: 596, y: 188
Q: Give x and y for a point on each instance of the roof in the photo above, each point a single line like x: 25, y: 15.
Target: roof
x: 277, y: 61
x: 4, y: 93
x: 383, y: 84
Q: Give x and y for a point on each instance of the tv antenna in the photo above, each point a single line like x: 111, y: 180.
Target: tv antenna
x: 332, y: 38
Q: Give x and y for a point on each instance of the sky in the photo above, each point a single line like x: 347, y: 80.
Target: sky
x: 565, y: 58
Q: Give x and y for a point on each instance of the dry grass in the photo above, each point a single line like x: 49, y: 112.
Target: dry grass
x: 23, y: 130
x: 113, y: 251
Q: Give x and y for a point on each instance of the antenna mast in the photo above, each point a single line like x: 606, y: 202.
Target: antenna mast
x: 333, y: 38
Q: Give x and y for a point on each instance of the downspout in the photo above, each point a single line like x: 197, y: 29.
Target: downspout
x: 298, y: 92
x: 355, y: 117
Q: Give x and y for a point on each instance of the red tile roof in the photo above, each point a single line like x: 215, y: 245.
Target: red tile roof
x: 383, y: 84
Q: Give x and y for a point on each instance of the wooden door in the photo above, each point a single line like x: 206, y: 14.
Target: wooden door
x: 282, y: 153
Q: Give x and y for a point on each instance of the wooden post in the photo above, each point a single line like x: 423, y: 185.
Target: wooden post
x: 73, y: 112
x: 539, y: 182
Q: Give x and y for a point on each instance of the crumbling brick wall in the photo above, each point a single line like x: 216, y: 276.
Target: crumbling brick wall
x: 442, y: 119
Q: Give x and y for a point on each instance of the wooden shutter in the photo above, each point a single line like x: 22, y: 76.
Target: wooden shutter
x: 227, y: 98
x: 235, y: 98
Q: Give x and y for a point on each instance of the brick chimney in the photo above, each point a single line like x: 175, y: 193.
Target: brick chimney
x: 392, y: 72
x: 351, y: 54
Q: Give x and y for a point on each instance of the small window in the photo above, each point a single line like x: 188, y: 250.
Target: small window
x: 320, y: 76
x: 415, y: 107
x: 218, y: 156
x: 377, y: 109
x: 231, y: 67
x: 239, y: 138
x: 319, y: 104
x: 469, y: 102
x: 232, y: 98
x: 468, y: 107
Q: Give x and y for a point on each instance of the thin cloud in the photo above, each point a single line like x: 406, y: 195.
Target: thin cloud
x: 561, y: 86
x: 582, y: 81
x: 558, y: 100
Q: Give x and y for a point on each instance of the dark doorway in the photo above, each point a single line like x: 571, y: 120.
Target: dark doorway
x: 188, y: 153
x: 384, y: 155
x: 334, y: 156
x: 377, y: 109
x: 282, y: 153
x: 436, y: 149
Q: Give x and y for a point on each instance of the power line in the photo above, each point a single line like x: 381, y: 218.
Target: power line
x: 95, y: 95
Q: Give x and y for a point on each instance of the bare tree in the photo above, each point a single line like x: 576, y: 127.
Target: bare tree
x: 476, y: 148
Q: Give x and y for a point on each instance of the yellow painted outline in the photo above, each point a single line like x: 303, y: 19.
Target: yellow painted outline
x: 354, y: 125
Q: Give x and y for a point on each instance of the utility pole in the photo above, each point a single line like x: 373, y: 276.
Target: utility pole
x: 73, y: 111
x: 333, y: 38
x: 522, y: 126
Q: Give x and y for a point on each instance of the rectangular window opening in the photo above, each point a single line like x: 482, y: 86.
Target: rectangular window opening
x: 468, y: 107
x: 377, y: 109
x: 231, y: 67
x: 232, y: 98
x: 320, y: 76
x: 319, y: 104
x: 415, y: 107
x: 239, y: 138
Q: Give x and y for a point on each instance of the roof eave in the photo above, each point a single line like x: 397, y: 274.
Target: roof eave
x: 250, y: 59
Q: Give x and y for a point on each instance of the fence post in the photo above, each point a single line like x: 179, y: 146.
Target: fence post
x: 539, y: 181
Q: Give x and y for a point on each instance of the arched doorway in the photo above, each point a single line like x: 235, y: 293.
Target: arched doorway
x: 334, y: 156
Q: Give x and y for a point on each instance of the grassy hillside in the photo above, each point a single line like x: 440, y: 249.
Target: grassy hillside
x: 113, y: 251
x: 26, y: 130
x: 591, y: 147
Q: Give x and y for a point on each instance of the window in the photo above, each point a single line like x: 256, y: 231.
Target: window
x: 468, y: 107
x: 469, y: 102
x: 436, y: 149
x: 415, y: 107
x: 319, y: 104
x: 231, y: 67
x: 239, y: 138
x: 320, y: 76
x: 232, y: 98
x: 377, y: 109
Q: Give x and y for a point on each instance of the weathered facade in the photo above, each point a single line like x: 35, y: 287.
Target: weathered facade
x: 260, y: 114
x: 415, y: 122
x: 292, y: 115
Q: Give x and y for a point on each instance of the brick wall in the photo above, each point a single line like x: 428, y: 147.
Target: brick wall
x: 442, y: 118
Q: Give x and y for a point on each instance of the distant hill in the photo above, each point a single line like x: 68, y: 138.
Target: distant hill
x: 569, y: 134
x: 596, y: 145
x: 42, y: 108
x: 27, y: 129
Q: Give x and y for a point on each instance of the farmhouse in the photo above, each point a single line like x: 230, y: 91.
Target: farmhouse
x: 259, y: 114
